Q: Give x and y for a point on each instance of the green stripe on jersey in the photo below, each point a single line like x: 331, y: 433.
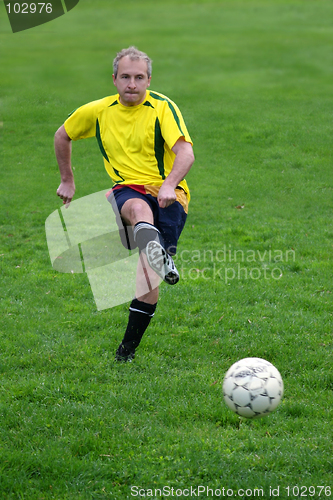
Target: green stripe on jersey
x: 159, y: 98
x: 99, y: 140
x: 159, y: 148
x: 70, y: 114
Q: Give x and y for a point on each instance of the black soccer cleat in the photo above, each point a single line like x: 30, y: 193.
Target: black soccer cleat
x: 125, y: 354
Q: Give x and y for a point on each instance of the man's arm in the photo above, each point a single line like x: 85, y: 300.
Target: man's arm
x: 181, y: 166
x: 63, y: 150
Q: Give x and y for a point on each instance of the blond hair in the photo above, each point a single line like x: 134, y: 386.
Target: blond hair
x: 134, y: 54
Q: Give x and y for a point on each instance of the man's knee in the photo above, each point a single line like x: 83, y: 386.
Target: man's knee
x: 135, y: 210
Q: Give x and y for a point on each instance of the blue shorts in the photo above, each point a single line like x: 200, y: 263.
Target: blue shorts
x: 169, y: 221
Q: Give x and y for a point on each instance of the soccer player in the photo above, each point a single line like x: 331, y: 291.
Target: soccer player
x: 147, y: 152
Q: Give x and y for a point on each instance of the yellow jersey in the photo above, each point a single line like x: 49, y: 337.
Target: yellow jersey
x: 136, y: 141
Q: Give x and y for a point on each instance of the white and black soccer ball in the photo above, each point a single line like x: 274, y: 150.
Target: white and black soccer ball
x: 252, y: 387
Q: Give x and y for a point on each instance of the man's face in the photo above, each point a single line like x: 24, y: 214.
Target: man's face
x: 132, y: 81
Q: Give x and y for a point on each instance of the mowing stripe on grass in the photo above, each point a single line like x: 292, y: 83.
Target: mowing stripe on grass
x: 69, y: 241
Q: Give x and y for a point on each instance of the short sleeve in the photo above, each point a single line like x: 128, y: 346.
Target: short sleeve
x: 173, y: 125
x: 81, y: 124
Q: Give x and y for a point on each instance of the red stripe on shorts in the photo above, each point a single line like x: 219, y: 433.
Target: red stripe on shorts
x: 140, y: 189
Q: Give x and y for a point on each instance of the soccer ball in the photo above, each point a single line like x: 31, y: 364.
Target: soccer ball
x: 252, y: 387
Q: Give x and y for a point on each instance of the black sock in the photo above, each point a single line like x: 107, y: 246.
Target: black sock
x: 138, y: 321
x: 145, y: 232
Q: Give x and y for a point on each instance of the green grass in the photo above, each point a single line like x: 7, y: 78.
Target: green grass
x: 253, y: 80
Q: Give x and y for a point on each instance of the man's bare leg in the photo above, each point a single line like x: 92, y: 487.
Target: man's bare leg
x: 143, y: 306
x: 133, y: 211
x: 136, y: 210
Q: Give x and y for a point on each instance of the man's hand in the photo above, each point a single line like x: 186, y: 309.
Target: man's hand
x: 66, y: 192
x: 166, y: 196
x: 182, y: 164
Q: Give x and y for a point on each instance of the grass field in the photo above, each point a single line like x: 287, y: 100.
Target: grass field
x: 253, y: 79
